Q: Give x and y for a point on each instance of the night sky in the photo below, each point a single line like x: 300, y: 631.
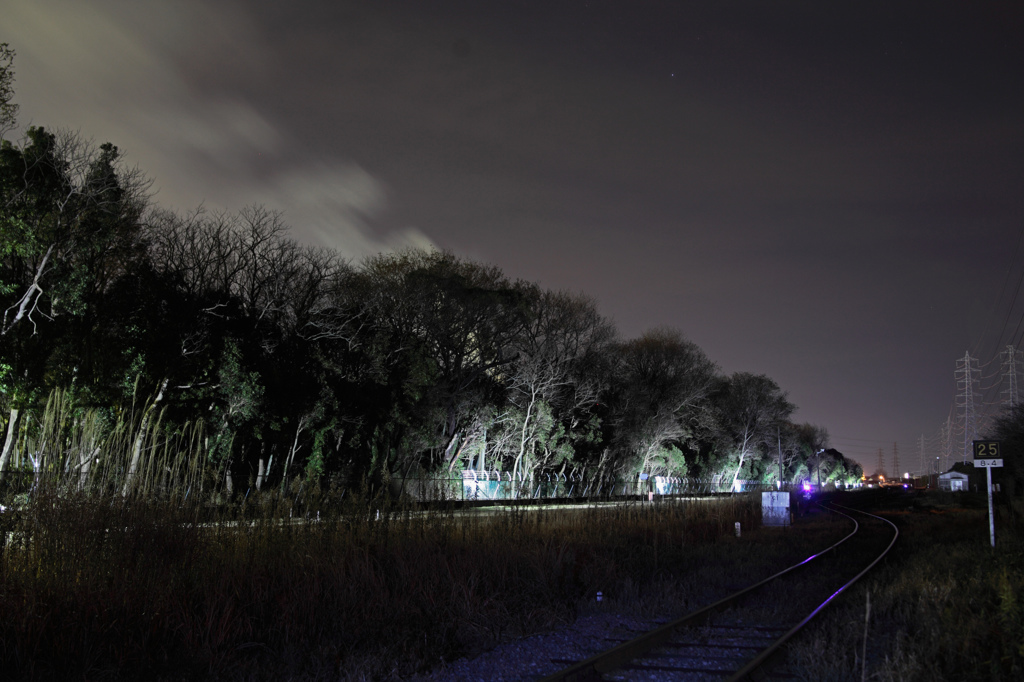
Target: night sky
x: 826, y: 192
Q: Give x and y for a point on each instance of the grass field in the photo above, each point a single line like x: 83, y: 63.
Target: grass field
x: 944, y: 606
x: 106, y: 589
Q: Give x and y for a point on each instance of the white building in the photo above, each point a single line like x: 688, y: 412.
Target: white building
x: 953, y: 480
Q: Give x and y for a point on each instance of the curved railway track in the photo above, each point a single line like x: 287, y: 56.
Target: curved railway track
x: 743, y: 635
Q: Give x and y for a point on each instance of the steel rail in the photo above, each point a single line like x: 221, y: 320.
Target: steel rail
x: 613, y: 659
x: 766, y: 656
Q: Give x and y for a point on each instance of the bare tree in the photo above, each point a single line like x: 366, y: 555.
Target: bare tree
x: 660, y: 404
x: 441, y: 329
x: 558, y: 371
x: 752, y: 410
x: 8, y: 109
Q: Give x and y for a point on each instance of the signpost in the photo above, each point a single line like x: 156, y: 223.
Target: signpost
x: 987, y: 457
x: 775, y: 509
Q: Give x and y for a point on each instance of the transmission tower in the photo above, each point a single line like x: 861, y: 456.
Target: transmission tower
x: 1010, y: 364
x: 881, y: 462
x: 895, y: 461
x: 967, y: 377
x: 946, y: 436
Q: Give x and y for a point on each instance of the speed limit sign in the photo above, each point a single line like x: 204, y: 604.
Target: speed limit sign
x: 986, y: 454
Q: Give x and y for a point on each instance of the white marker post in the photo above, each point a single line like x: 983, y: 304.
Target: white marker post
x: 986, y: 455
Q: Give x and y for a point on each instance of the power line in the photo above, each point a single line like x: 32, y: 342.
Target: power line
x: 966, y: 384
x: 1002, y: 293
x: 1010, y: 364
x: 946, y: 436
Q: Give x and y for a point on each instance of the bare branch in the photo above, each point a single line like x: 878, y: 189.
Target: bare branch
x: 29, y: 302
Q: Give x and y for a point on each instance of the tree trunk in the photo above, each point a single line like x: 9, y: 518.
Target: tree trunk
x: 12, y: 428
x: 260, y: 473
x: 744, y: 448
x: 645, y: 463
x: 735, y: 476
x: 291, y: 455
x: 263, y: 468
x: 140, y: 438
x: 85, y: 459
x: 481, y: 462
x: 451, y: 452
x: 522, y: 437
x: 229, y: 480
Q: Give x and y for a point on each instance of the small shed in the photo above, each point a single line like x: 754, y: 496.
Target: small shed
x: 953, y: 480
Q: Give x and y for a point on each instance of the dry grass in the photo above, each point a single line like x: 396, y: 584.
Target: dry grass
x: 945, y: 607
x: 107, y: 575
x: 107, y: 588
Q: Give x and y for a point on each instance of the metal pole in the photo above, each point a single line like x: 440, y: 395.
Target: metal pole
x: 820, y: 453
x: 991, y: 520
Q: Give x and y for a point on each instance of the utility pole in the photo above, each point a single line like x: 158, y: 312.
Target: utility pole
x: 895, y: 461
x: 922, y: 462
x: 1010, y: 363
x: 821, y: 453
x: 967, y: 373
x: 778, y: 435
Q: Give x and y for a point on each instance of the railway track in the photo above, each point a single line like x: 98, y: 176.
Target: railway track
x: 744, y: 635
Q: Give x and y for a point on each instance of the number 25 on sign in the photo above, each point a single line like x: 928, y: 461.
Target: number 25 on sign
x: 986, y: 449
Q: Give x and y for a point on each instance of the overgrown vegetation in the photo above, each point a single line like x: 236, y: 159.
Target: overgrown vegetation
x: 945, y: 607
x: 115, y: 588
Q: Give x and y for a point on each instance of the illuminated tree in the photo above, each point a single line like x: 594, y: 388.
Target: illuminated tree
x: 69, y: 220
x: 69, y: 232
x: 437, y: 342
x: 659, y: 403
x: 806, y: 441
x: 560, y: 367
x: 751, y: 411
x: 289, y: 354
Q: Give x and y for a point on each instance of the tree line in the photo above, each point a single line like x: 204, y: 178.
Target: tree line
x: 297, y: 363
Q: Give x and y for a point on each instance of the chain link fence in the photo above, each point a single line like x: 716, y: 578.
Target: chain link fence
x: 475, y: 485
x: 502, y: 485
